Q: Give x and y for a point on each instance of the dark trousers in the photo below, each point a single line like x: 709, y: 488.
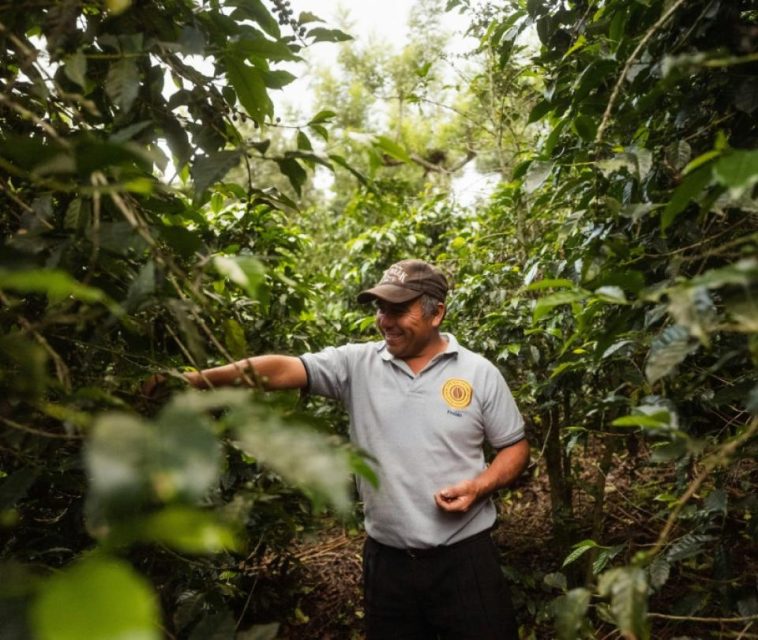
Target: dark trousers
x: 448, y: 593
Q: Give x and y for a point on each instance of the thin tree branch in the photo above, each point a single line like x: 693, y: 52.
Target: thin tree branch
x: 630, y: 61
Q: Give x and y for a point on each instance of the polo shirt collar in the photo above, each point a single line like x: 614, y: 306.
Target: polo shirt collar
x: 452, y: 348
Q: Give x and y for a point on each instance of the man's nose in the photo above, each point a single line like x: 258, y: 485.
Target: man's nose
x: 384, y: 319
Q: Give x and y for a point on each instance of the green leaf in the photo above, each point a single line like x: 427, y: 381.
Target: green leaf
x: 548, y: 303
x: 628, y: 590
x: 294, y: 172
x: 306, y: 16
x: 737, y: 171
x: 57, y: 285
x: 245, y: 271
x: 570, y: 611
x: 700, y: 161
x: 122, y: 83
x: 585, y: 127
x: 208, y: 170
x: 250, y: 86
x: 256, y: 11
x: 678, y: 154
x: 98, y: 598
x: 303, y: 142
x: 659, y: 571
x: 657, y: 421
x: 254, y: 45
x: 611, y: 294
x: 278, y: 79
x: 320, y: 34
x: 188, y: 530
x: 670, y: 348
x: 538, y: 172
x: 302, y: 456
x: 392, y: 148
x: 556, y: 283
x: 690, y: 189
x: 132, y: 462
x: 322, y: 116
x: 741, y: 273
x: 580, y: 548
x: 539, y: 111
x: 234, y: 339
x: 75, y: 68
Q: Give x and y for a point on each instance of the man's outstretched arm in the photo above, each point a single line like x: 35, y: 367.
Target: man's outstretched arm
x: 275, y: 372
x: 509, y: 464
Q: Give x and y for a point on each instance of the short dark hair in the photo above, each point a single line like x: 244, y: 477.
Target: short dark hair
x: 428, y: 304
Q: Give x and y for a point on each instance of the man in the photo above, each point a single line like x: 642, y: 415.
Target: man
x: 422, y: 406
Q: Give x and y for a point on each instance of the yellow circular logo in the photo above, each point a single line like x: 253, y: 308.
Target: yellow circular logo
x: 457, y: 393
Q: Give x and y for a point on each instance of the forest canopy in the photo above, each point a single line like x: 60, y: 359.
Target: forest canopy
x: 160, y: 215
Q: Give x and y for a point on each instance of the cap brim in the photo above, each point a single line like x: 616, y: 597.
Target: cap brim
x: 388, y: 293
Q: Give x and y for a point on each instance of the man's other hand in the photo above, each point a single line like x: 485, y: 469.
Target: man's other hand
x: 458, y: 497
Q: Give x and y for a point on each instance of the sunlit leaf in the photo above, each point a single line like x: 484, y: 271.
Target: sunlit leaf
x: 536, y: 175
x: 188, y: 530
x: 245, y: 271
x: 98, y: 598
x: 300, y: 455
x: 392, y: 148
x: 320, y: 34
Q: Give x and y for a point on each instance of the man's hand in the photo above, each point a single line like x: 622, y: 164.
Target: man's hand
x: 459, y: 497
x: 153, y: 385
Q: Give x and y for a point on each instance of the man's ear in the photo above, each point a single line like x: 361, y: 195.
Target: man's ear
x: 439, y: 315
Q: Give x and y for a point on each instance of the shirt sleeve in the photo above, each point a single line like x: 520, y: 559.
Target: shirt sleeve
x: 327, y: 372
x: 503, y: 423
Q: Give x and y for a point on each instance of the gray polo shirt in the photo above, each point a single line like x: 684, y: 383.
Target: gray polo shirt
x: 425, y: 432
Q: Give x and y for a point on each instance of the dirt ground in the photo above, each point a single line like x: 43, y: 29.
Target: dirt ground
x: 329, y: 604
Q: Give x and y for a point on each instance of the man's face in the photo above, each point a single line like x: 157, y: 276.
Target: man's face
x: 404, y: 327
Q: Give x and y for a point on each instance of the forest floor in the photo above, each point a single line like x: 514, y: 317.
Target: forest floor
x: 329, y: 600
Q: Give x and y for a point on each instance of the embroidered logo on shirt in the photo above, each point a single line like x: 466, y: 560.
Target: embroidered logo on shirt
x: 457, y: 393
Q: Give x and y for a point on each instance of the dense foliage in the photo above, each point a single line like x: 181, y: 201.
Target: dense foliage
x: 612, y: 275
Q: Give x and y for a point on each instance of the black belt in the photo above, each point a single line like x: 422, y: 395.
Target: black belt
x: 431, y: 552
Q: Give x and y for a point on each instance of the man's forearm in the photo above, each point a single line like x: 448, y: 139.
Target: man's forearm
x: 507, y: 466
x: 270, y: 371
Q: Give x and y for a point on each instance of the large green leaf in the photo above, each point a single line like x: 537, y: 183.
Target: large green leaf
x: 131, y: 462
x: 122, y: 83
x: 302, y: 456
x: 392, y: 148
x: 188, y: 530
x: 738, y: 171
x: 690, y: 189
x: 98, y: 598
x: 570, y: 612
x: 57, y: 285
x: 245, y: 271
x: 548, y: 303
x: 207, y: 170
x: 291, y: 168
x: 628, y: 590
x: 320, y: 34
x: 670, y: 348
x: 250, y: 85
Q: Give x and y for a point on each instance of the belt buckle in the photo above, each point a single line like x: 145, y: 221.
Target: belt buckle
x: 411, y: 553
